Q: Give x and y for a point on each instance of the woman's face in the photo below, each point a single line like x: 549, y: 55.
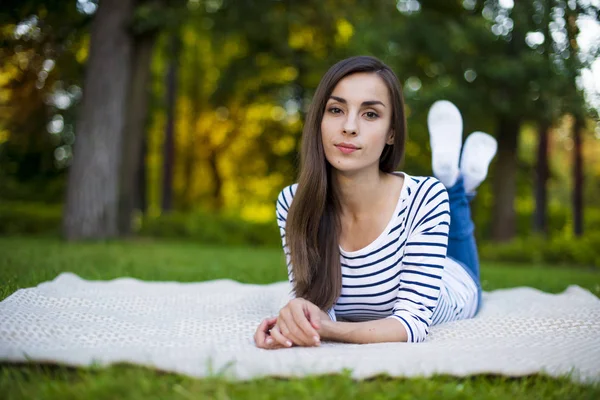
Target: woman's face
x: 356, y: 124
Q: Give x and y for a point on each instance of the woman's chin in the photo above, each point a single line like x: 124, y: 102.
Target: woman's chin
x: 347, y: 166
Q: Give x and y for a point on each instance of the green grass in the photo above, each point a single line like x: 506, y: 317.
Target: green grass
x: 25, y: 262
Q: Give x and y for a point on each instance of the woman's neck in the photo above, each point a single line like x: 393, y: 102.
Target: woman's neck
x: 362, y: 193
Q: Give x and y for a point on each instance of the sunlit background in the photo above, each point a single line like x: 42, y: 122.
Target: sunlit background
x: 224, y: 87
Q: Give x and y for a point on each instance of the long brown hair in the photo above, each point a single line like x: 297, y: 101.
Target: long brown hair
x: 313, y: 225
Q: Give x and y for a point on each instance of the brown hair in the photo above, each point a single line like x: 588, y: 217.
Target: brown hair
x: 312, y: 226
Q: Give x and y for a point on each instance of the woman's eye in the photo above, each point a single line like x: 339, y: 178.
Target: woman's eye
x: 371, y: 115
x: 335, y: 110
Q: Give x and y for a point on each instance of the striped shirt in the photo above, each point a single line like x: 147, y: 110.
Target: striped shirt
x: 404, y: 273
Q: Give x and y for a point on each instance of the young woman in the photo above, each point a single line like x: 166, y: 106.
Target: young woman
x: 372, y: 253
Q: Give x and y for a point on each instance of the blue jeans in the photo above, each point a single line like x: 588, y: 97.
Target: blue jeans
x: 461, y: 241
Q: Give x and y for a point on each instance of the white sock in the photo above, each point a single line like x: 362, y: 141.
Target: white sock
x: 478, y: 152
x: 445, y: 136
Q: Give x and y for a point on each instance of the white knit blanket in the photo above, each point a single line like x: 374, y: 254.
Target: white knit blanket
x: 206, y: 328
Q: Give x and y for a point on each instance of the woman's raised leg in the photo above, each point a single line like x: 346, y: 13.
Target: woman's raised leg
x: 462, y: 246
x: 445, y: 132
x: 478, y: 151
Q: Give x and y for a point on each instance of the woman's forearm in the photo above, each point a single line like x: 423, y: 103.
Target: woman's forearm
x: 382, y: 330
x: 324, y: 316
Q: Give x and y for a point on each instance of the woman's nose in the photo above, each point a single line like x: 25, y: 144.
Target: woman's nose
x: 350, y: 127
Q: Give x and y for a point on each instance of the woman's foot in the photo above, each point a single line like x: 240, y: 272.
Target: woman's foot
x: 445, y: 136
x: 478, y: 151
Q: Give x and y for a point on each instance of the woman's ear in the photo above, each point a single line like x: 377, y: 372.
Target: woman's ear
x: 390, y: 139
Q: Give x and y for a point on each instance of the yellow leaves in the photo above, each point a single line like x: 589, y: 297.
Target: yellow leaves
x: 4, y: 96
x: 182, y: 126
x: 8, y: 73
x: 302, y: 37
x: 282, y: 75
x: 225, y: 129
x: 289, y: 74
x: 272, y: 71
x: 83, y: 52
x: 344, y: 31
x: 189, y: 36
x: 212, y: 75
x: 24, y: 58
x: 525, y: 204
x: 3, y: 136
x: 412, y: 149
x: 7, y: 31
x: 260, y: 206
x: 278, y: 113
x: 528, y: 140
x: 284, y: 145
x: 258, y: 111
x: 256, y: 212
x: 235, y: 46
x: 212, y: 127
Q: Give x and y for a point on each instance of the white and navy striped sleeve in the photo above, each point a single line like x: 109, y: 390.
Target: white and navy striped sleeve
x: 428, y: 222
x: 284, y: 200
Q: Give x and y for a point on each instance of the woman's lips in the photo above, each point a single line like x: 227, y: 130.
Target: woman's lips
x: 346, y: 149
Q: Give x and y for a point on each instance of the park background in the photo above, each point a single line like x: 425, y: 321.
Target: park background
x: 150, y: 138
x: 192, y: 117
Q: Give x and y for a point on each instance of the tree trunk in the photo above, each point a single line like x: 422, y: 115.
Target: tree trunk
x: 505, y: 180
x: 169, y: 145
x: 92, y: 202
x: 190, y: 156
x: 141, y: 195
x: 135, y: 129
x: 542, y: 173
x: 190, y: 164
x: 217, y: 194
x: 578, y: 176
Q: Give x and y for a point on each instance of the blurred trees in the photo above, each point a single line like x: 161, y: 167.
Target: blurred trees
x: 40, y: 53
x: 92, y: 205
x: 199, y: 103
x: 506, y: 64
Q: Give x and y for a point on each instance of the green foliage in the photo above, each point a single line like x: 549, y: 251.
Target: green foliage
x: 29, y: 218
x: 210, y: 229
x: 243, y: 63
x: 559, y: 221
x: 42, y: 219
x: 569, y: 251
x: 214, y: 229
x: 44, y: 189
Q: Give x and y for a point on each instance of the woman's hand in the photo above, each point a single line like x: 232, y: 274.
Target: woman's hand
x: 298, y: 323
x: 263, y: 335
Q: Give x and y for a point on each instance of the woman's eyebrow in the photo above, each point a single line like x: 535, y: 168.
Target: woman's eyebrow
x: 364, y: 103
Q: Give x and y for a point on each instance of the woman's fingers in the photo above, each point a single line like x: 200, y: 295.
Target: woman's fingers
x: 270, y: 322
x: 290, y: 329
x: 279, y: 338
x: 261, y: 334
x: 297, y: 327
x: 262, y: 338
x: 269, y: 342
x: 284, y: 329
x: 297, y: 323
x: 307, y: 332
x: 272, y: 344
